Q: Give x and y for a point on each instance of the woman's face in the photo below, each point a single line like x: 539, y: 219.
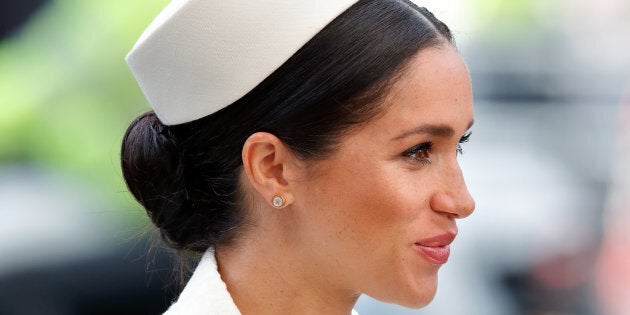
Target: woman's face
x: 379, y: 213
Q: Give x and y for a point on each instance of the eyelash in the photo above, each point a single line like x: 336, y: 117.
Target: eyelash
x: 424, y: 149
x: 465, y: 138
x: 420, y: 149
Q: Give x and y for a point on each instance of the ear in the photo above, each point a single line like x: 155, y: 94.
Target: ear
x: 267, y: 162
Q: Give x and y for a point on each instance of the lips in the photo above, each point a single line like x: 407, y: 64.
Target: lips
x: 436, y: 249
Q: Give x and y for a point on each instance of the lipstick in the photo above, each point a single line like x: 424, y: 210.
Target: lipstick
x: 436, y: 249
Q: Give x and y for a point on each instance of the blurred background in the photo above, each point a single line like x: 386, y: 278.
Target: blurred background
x: 547, y: 164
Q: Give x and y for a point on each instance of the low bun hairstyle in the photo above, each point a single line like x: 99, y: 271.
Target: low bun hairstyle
x: 187, y: 176
x: 154, y: 165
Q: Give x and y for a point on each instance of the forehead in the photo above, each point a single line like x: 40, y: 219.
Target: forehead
x: 435, y: 89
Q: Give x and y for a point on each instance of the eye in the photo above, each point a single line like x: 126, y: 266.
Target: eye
x: 419, y: 153
x: 465, y: 138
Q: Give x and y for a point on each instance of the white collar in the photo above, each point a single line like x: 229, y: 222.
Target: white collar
x: 206, y: 293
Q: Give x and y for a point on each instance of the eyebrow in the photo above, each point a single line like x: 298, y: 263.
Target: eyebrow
x: 443, y: 131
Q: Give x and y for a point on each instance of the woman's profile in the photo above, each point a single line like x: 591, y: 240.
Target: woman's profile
x: 307, y: 148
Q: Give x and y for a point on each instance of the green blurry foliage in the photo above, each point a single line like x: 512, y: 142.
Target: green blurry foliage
x: 66, y: 94
x: 512, y: 23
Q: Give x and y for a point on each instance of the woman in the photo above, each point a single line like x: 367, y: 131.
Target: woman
x: 309, y: 149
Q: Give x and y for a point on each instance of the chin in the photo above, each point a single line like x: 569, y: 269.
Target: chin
x: 420, y: 299
x: 417, y: 296
x: 420, y: 291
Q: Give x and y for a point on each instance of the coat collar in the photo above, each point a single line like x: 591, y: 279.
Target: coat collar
x: 206, y: 293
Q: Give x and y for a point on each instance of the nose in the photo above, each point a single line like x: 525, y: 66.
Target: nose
x: 453, y: 197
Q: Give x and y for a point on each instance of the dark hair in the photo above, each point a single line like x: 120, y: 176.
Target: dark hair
x: 187, y: 176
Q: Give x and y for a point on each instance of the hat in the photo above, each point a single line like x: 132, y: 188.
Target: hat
x: 199, y: 56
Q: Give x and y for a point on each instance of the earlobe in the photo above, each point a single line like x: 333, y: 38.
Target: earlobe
x: 265, y: 158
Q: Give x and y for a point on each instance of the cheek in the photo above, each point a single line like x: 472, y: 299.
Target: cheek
x: 376, y: 203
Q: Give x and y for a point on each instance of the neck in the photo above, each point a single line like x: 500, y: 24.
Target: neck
x: 270, y: 276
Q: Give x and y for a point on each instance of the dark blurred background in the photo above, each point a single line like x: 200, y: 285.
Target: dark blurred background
x: 547, y: 163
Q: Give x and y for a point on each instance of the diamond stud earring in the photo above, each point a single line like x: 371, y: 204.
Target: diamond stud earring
x: 278, y: 201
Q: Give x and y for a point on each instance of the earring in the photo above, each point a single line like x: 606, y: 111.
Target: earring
x: 278, y: 201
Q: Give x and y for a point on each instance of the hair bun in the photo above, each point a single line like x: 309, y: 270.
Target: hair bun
x: 153, y: 168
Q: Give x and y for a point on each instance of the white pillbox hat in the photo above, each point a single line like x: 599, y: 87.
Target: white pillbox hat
x: 199, y: 56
